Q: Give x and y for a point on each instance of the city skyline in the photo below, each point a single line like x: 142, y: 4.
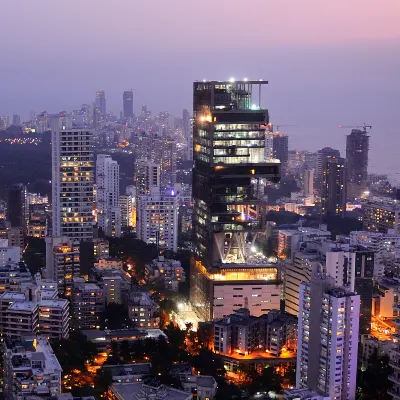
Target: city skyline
x: 337, y: 69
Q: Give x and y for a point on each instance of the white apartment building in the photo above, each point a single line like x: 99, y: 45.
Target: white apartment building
x: 158, y: 219
x: 327, y: 345
x: 142, y: 310
x: 72, y: 181
x: 30, y: 368
x: 31, y: 311
x: 299, y: 270
x: 107, y: 195
x: 9, y: 254
x: 258, y: 297
x: 62, y: 262
x: 205, y: 387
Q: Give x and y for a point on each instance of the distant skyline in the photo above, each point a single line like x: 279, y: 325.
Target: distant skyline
x: 328, y: 63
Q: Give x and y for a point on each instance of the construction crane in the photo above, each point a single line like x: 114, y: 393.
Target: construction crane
x: 364, y: 127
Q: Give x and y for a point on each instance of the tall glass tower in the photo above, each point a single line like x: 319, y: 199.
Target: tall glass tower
x: 229, y: 175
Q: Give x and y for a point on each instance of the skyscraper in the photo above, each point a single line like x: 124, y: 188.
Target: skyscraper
x: 229, y: 145
x: 168, y: 164
x: 280, y: 148
x: 100, y: 102
x: 147, y: 174
x: 108, y: 206
x: 127, y: 99
x: 327, y: 344
x: 157, y: 214
x: 322, y: 155
x: 16, y: 120
x: 357, y: 146
x: 355, y: 269
x: 187, y: 124
x: 17, y: 206
x: 308, y: 182
x: 72, y: 182
x: 334, y: 187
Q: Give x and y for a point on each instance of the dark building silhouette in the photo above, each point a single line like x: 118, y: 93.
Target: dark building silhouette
x: 17, y: 207
x: 334, y: 187
x: 322, y: 155
x: 128, y: 104
x: 280, y: 148
x: 357, y: 146
x: 364, y: 271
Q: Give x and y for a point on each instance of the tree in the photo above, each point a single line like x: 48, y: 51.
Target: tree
x: 373, y: 383
x: 175, y: 335
x: 102, y: 381
x: 228, y: 391
x: 115, y: 316
x: 125, y: 351
x: 207, y: 363
x: 75, y: 352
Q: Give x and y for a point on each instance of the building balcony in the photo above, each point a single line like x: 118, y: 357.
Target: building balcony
x: 394, y: 379
x: 395, y: 365
x: 395, y: 394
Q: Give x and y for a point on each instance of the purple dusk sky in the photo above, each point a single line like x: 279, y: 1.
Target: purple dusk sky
x: 328, y: 63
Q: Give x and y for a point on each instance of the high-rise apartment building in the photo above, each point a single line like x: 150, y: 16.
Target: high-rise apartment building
x: 168, y: 164
x: 107, y: 195
x: 322, y: 155
x: 157, y: 220
x: 16, y: 120
x: 100, y: 102
x: 301, y: 269
x: 73, y: 180
x: 229, y: 151
x: 381, y: 215
x: 62, y: 262
x: 308, y: 182
x: 334, y: 187
x: 354, y: 269
x: 147, y: 174
x: 357, y: 146
x: 327, y: 344
x: 187, y: 124
x: 127, y: 99
x: 17, y: 212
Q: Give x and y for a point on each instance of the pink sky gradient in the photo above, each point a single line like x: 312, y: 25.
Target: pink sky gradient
x: 328, y: 62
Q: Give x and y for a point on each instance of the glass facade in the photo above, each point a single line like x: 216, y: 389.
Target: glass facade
x: 229, y: 176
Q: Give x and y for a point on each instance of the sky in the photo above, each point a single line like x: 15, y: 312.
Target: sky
x: 328, y: 63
